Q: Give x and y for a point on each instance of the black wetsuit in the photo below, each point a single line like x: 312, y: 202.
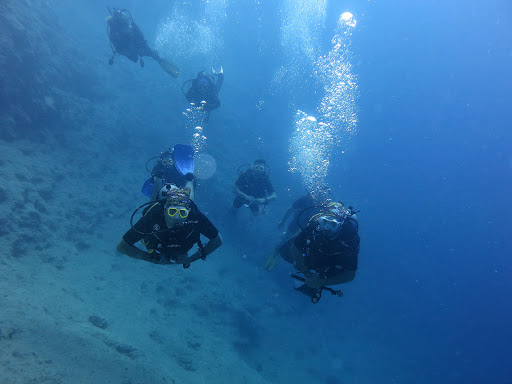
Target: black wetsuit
x: 170, y: 243
x: 255, y: 184
x: 209, y: 93
x: 169, y: 174
x: 303, y: 202
x: 127, y: 38
x: 321, y: 254
x: 298, y: 206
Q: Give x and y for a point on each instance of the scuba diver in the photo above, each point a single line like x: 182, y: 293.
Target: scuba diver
x: 175, y: 166
x: 253, y: 188
x: 204, y: 90
x: 319, y: 197
x: 325, y: 251
x: 169, y: 228
x: 127, y: 39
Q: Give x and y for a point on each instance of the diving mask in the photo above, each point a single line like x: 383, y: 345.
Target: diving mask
x: 177, y: 206
x: 174, y: 212
x: 166, y: 158
x: 329, y: 224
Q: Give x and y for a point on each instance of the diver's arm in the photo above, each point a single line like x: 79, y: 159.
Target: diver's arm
x: 272, y: 197
x: 238, y: 192
x: 208, y: 248
x: 266, y: 200
x: 157, y: 185
x: 190, y: 184
x: 136, y: 253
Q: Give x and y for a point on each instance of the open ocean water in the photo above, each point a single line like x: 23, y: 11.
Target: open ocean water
x: 402, y: 108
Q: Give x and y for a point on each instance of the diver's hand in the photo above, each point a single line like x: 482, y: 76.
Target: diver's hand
x: 187, y: 260
x: 314, y: 281
x: 250, y: 199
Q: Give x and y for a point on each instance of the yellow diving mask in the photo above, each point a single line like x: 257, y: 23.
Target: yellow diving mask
x: 174, y: 211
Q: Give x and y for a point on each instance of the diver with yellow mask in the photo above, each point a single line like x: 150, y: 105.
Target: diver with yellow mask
x: 169, y: 228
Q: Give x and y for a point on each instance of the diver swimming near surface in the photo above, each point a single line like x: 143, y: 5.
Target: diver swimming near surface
x: 126, y: 39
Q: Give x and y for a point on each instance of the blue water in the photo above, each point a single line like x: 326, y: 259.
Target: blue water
x: 429, y: 166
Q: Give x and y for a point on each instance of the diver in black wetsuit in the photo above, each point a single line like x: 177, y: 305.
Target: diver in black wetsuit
x: 127, y: 39
x: 294, y: 210
x: 169, y: 228
x: 204, y: 91
x: 325, y: 251
x: 253, y: 188
x: 319, y: 197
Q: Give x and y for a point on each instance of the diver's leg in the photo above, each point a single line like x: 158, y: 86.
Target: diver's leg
x: 157, y: 185
x: 255, y: 209
x: 218, y: 83
x: 166, y: 65
x: 288, y: 251
x: 155, y: 56
x: 191, y: 184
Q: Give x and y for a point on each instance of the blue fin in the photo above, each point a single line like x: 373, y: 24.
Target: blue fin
x: 184, y: 158
x: 147, y: 188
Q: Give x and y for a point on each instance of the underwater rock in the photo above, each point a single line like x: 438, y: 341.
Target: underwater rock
x: 124, y: 349
x: 98, y: 321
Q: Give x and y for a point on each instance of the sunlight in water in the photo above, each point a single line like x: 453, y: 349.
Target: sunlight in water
x: 314, y: 140
x: 338, y: 108
x: 302, y: 24
x: 310, y: 146
x: 186, y: 36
